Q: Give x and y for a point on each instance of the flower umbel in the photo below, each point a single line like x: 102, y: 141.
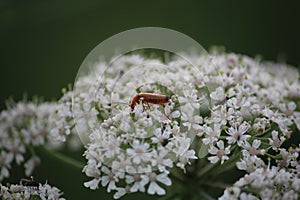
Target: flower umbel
x: 242, y: 114
x: 151, y: 140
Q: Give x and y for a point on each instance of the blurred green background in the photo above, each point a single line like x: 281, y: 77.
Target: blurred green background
x: 43, y: 43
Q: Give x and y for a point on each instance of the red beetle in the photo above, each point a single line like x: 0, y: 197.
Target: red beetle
x: 149, y: 98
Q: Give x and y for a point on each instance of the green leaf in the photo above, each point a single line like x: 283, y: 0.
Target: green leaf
x: 203, y: 150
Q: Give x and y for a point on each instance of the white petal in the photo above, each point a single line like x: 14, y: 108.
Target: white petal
x: 175, y: 114
x: 155, y: 188
x: 151, y: 188
x: 120, y: 192
x: 136, y: 159
x: 220, y: 144
x: 105, y: 170
x: 256, y: 143
x: 168, y: 162
x: 163, y: 178
x: 213, y: 150
x: 111, y: 186
x: 129, y: 179
x: 213, y: 159
x: 92, y: 184
x: 134, y: 188
x: 104, y: 181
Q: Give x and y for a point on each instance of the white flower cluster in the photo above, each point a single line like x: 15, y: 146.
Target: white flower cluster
x: 133, y: 148
x: 237, y: 111
x: 21, y: 192
x: 254, y: 111
x: 282, y: 182
x: 24, y: 126
x: 255, y: 108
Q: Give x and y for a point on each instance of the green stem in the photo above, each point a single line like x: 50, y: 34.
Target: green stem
x: 216, y: 185
x: 260, y: 138
x: 271, y: 156
x: 206, y: 170
x: 205, y: 195
x: 63, y: 158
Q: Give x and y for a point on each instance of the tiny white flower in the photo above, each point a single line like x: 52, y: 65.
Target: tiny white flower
x: 92, y: 184
x: 190, y: 100
x: 109, y: 179
x: 191, y: 121
x: 288, y: 109
x: 276, y: 141
x: 121, y: 165
x: 91, y: 169
x: 249, y: 162
x: 220, y: 153
x: 237, y: 103
x: 159, y: 160
x: 282, y: 177
x: 184, y: 159
x: 139, y: 181
x: 154, y: 188
x: 231, y: 193
x: 182, y: 145
x: 211, y: 135
x: 255, y: 109
x: 237, y: 134
x: 218, y: 94
x: 139, y: 152
x: 219, y: 116
x: 260, y: 125
x: 253, y: 149
x: 111, y: 146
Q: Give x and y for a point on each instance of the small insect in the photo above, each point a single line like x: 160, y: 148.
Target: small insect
x: 149, y: 98
x: 29, y: 182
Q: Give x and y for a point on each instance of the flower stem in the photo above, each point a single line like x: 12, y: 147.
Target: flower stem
x: 271, y: 156
x: 205, y: 195
x: 216, y: 185
x: 63, y: 158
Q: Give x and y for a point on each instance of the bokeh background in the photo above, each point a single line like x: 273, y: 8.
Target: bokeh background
x: 43, y: 42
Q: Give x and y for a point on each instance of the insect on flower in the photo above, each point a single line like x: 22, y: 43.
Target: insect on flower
x: 149, y: 98
x: 29, y: 182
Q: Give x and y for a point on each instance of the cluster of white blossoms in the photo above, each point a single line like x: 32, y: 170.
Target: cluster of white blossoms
x: 225, y: 111
x: 40, y: 191
x: 133, y: 148
x: 22, y: 127
x: 27, y: 125
x: 272, y: 182
x: 251, y: 109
